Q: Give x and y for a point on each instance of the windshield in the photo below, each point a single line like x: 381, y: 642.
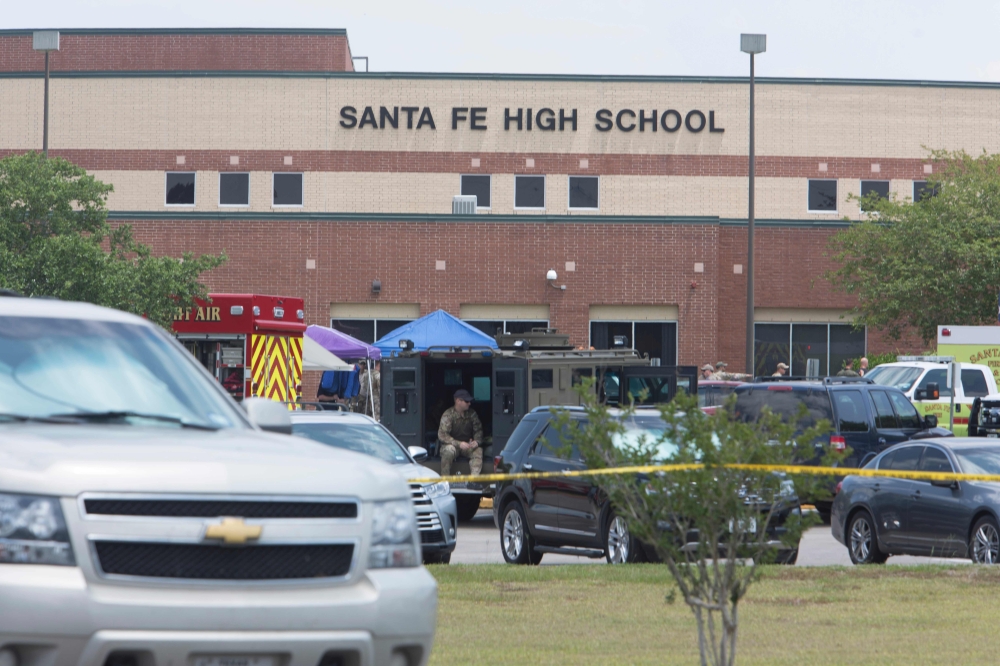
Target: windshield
x: 901, y: 377
x: 786, y: 403
x: 641, y: 429
x: 369, y: 438
x: 979, y: 461
x: 71, y: 367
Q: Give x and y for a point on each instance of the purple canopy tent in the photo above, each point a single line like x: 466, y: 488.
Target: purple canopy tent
x: 346, y: 347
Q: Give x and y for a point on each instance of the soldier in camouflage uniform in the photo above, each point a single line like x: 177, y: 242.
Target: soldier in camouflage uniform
x: 461, y: 433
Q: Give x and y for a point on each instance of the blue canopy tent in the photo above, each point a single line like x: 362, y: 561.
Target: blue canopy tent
x: 438, y: 329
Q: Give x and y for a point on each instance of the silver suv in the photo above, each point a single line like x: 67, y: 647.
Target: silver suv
x: 437, y: 513
x: 145, y: 520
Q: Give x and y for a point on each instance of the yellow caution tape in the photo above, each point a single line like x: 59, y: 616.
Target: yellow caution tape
x: 787, y: 469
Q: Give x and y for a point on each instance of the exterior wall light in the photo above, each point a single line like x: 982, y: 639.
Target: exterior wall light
x: 551, y: 276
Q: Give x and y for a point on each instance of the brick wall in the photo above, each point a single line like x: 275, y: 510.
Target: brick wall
x: 181, y: 51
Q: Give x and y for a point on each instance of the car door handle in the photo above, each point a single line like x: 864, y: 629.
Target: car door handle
x: 528, y: 466
x: 916, y: 495
x: 876, y: 487
x: 881, y: 441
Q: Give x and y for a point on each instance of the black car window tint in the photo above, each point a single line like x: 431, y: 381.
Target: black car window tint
x: 935, y: 460
x: 907, y: 413
x: 974, y: 384
x: 906, y: 459
x: 549, y: 443
x: 886, y: 461
x: 884, y: 416
x: 940, y: 377
x: 784, y: 402
x: 851, y: 414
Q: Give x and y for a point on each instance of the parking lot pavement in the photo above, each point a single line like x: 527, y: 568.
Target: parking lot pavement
x: 479, y: 543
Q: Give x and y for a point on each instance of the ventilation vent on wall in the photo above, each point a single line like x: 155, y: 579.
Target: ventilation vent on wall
x: 463, y: 205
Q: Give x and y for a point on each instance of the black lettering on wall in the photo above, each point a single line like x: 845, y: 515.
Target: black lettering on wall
x: 643, y: 120
x: 677, y: 124
x: 457, y: 114
x: 384, y: 115
x: 426, y: 119
x: 618, y: 120
x: 408, y: 110
x: 529, y: 119
x: 604, y: 123
x: 695, y: 114
x: 477, y: 118
x: 349, y: 119
x: 368, y: 118
x: 546, y: 122
x: 564, y: 118
x: 508, y: 119
x: 711, y: 123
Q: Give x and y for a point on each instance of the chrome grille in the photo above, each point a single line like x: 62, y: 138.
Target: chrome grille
x: 418, y: 495
x: 428, y: 520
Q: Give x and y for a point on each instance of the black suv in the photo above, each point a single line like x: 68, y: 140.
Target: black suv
x: 865, y: 416
x: 571, y: 515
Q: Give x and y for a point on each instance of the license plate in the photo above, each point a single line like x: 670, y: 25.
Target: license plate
x: 234, y: 660
x: 751, y: 527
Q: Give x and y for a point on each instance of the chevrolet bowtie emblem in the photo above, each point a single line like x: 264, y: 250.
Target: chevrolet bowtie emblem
x: 233, y: 531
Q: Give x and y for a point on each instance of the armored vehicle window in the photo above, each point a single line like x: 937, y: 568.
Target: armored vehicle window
x: 974, y: 384
x: 541, y: 378
x: 583, y: 192
x: 404, y: 378
x: 180, y: 189
x: 505, y: 379
x: 287, y: 189
x: 884, y: 416
x: 234, y: 189
x: 880, y: 188
x: 907, y: 413
x: 478, y: 186
x: 579, y: 374
x: 940, y: 376
x: 851, y: 413
x: 529, y: 191
x: 822, y: 196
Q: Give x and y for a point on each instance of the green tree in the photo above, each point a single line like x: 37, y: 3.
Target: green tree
x: 55, y: 240
x: 707, y: 524
x: 934, y: 261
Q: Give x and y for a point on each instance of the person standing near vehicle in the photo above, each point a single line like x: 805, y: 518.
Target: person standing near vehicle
x: 460, y: 433
x: 863, y: 370
x: 848, y: 370
x: 706, y: 372
x: 782, y: 369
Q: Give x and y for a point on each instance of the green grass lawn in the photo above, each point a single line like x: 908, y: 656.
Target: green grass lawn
x: 496, y: 614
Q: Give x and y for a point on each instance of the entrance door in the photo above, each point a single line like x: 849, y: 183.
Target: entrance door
x: 509, y: 398
x: 402, y: 401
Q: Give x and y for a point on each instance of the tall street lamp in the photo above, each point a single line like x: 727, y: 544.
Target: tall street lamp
x: 45, y: 40
x: 752, y: 44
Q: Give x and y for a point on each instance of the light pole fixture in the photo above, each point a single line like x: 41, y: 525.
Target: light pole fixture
x: 752, y: 44
x: 45, y: 40
x: 551, y: 276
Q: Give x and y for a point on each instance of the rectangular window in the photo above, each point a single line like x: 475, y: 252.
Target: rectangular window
x: 845, y: 342
x: 513, y: 326
x: 480, y: 187
x: 974, y: 384
x: 923, y: 190
x: 822, y: 196
x: 529, y: 192
x: 583, y: 192
x: 541, y: 378
x: 234, y: 189
x: 367, y: 330
x: 879, y: 188
x: 940, y: 377
x: 180, y: 188
x: 884, y: 416
x: 809, y: 342
x: 287, y: 189
x: 817, y: 350
x: 771, y: 346
x: 658, y: 340
x: 851, y: 413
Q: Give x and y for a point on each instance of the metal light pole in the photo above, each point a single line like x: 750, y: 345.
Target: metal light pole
x: 45, y: 40
x: 752, y: 44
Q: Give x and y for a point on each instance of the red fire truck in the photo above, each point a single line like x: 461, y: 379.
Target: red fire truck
x: 251, y: 343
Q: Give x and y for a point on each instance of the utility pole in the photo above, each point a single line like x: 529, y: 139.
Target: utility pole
x: 47, y: 41
x: 752, y: 44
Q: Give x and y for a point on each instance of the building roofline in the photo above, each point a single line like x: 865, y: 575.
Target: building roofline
x: 463, y: 76
x: 20, y: 32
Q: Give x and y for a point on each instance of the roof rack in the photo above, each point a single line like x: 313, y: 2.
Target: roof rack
x: 927, y: 359
x: 568, y: 408
x: 824, y: 380
x: 763, y: 379
x: 847, y: 380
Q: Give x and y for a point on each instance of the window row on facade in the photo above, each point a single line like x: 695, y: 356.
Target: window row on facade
x: 234, y: 189
x: 529, y: 192
x: 822, y: 196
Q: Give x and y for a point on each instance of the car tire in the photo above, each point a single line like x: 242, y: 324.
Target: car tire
x: 620, y: 547
x: 438, y: 558
x: 468, y: 507
x: 862, y: 540
x: 984, y: 544
x: 516, y: 543
x: 787, y: 556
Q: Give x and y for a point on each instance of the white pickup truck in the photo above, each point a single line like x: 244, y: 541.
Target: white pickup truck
x: 913, y: 377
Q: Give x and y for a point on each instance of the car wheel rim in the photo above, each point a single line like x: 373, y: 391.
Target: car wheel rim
x: 618, y: 541
x: 513, y: 535
x: 987, y: 545
x: 861, y: 540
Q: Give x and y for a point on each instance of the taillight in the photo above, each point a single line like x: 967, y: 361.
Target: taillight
x: 496, y: 462
x: 840, y: 485
x: 839, y: 443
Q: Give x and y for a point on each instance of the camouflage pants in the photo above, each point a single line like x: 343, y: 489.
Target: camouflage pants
x: 449, y: 452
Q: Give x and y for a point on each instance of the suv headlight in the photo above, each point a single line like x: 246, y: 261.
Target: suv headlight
x: 33, y: 531
x: 439, y: 489
x: 394, y: 535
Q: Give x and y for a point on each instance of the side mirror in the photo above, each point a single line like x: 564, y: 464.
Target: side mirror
x: 945, y: 484
x: 933, y: 391
x: 930, y: 421
x: 268, y: 415
x: 419, y: 453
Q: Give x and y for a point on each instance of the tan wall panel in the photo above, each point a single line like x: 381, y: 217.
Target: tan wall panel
x: 500, y: 311
x: 634, y: 313
x: 374, y: 310
x: 818, y: 315
x: 303, y: 114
